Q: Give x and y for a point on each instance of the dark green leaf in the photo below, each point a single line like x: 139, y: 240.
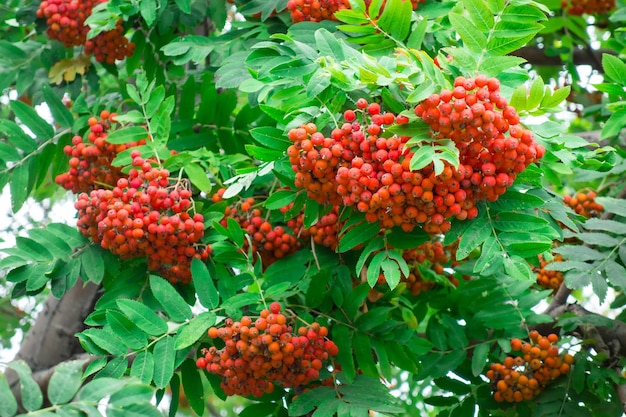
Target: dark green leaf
x: 32, y: 120
x: 19, y: 186
x: 363, y: 353
x: 127, y: 331
x: 92, y: 264
x: 65, y: 382
x: 164, y: 356
x: 194, y: 330
x: 32, y: 398
x: 192, y: 385
x: 59, y: 111
x: 357, y: 235
x: 198, y: 177
x: 479, y: 358
x: 203, y: 282
x: 171, y: 301
x: 342, y: 336
x: 127, y: 135
x: 614, y: 68
x: 279, y: 199
x: 146, y: 319
x: 473, y: 237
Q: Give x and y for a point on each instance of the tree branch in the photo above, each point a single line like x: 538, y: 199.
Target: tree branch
x: 537, y: 56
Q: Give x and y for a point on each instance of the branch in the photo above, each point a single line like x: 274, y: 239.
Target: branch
x: 52, y: 338
x: 537, y: 56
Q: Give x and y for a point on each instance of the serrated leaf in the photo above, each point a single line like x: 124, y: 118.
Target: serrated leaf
x: 57, y: 247
x: 579, y: 253
x: 35, y: 251
x: 32, y: 398
x: 18, y: 138
x: 198, y: 177
x: 535, y: 96
x: 373, y: 269
x: 194, y: 330
x: 614, y: 68
x: 479, y: 358
x: 514, y: 200
x: 203, y: 282
x: 65, y: 381
x: 100, y: 388
x: 8, y: 405
x: 146, y: 319
x: 472, y: 38
x: 613, y: 205
x: 127, y: 135
x: 328, y: 45
x: 473, y: 237
x: 357, y: 235
x: 556, y: 97
x: 31, y: 119
x: 391, y: 272
x: 479, y: 13
x: 612, y: 226
x: 279, y: 199
x: 59, y: 111
x: 126, y: 330
x: 342, y: 336
x: 143, y: 367
x: 616, y: 274
x: 19, y: 186
x: 164, y: 357
x: 171, y: 301
x: 106, y: 340
x: 489, y: 254
x: 363, y: 353
x: 92, y: 264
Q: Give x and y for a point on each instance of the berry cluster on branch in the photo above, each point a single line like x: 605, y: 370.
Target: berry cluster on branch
x: 66, y: 23
x: 146, y: 214
x: 90, y: 161
x: 546, y: 278
x: 580, y: 7
x: 256, y: 355
x: 525, y: 375
x: 584, y: 204
x: 269, y: 241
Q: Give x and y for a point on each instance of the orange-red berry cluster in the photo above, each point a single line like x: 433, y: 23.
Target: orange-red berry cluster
x: 584, y: 204
x: 493, y: 147
x: 579, y: 7
x: 315, y: 10
x: 548, y: 279
x: 359, y: 166
x: 90, y: 161
x: 435, y: 256
x: 525, y: 375
x: 66, y: 23
x: 324, y: 233
x: 146, y: 214
x: 270, y: 242
x: 262, y: 353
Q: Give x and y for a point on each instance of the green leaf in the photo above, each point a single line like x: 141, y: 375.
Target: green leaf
x: 357, y: 235
x: 171, y: 301
x: 374, y: 245
x: 614, y: 68
x: 328, y: 45
x: 489, y: 255
x: 192, y: 385
x: 514, y: 200
x: 127, y: 135
x: 100, y: 388
x: 309, y: 400
x: 556, y: 97
x: 194, y: 330
x: 185, y: 7
x: 279, y: 199
x: 143, y: 367
x: 19, y: 186
x: 611, y: 226
x: 198, y: 177
x: 509, y: 221
x: 472, y: 37
x: 127, y: 331
x: 29, y: 117
x: 164, y: 356
x: 494, y: 65
x: 473, y: 237
x: 60, y: 113
x: 505, y: 45
x: 146, y: 319
x: 613, y: 205
x: 396, y: 18
x: 203, y: 282
x: 363, y: 353
x: 479, y: 358
x: 480, y: 14
x: 8, y: 405
x: 373, y: 269
x: 391, y: 271
x: 57, y: 247
x: 342, y: 336
x: 35, y: 251
x: 132, y: 394
x: 147, y: 8
x: 32, y: 398
x: 105, y: 340
x: 17, y: 137
x: 271, y: 138
x: 92, y: 264
x: 65, y: 381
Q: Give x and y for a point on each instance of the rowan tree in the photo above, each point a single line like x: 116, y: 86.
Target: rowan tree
x: 314, y: 208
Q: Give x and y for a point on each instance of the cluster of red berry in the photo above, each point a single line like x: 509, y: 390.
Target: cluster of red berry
x: 436, y: 256
x: 146, y: 214
x: 324, y: 233
x: 90, y: 161
x: 524, y: 376
x: 315, y: 10
x: 360, y: 166
x: 66, y: 23
x: 262, y: 353
x: 584, y: 204
x: 579, y: 7
x: 270, y: 242
x: 476, y: 118
x: 548, y: 279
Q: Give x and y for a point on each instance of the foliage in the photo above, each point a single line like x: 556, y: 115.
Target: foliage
x: 229, y: 116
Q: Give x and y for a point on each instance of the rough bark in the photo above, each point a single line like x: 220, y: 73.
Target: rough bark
x: 51, y: 340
